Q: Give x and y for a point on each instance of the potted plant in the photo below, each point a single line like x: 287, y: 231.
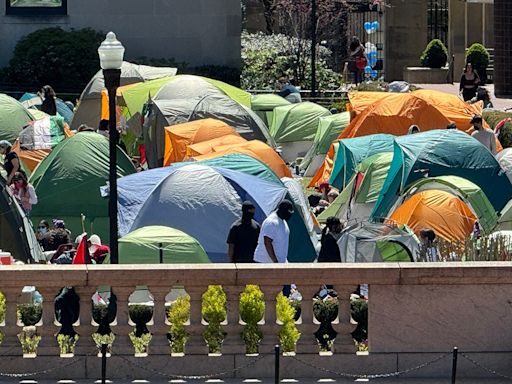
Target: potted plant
x: 433, y: 69
x: 252, y: 310
x: 140, y: 337
x: 29, y: 314
x: 359, y: 313
x: 67, y: 344
x: 214, y: 313
x: 3, y: 308
x: 67, y: 312
x: 435, y: 55
x: 178, y: 314
x: 288, y: 334
x: 479, y: 58
x: 104, y: 314
x: 326, y: 311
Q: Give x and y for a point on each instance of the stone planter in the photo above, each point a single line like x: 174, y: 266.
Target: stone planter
x: 423, y: 75
x: 29, y: 355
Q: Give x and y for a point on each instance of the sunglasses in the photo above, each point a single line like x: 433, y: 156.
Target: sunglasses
x: 41, y: 227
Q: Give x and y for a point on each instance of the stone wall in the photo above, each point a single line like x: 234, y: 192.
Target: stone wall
x: 197, y: 32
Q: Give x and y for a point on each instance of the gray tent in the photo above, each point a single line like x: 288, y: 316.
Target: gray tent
x: 17, y: 235
x: 372, y: 242
x: 162, y: 113
x: 89, y: 109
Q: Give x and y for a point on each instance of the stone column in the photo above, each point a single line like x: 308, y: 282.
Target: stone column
x: 502, y: 48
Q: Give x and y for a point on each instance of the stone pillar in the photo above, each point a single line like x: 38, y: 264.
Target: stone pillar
x: 502, y: 48
x: 457, y: 35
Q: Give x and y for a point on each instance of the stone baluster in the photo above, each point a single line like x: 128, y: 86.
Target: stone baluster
x: 344, y: 342
x: 233, y: 343
x: 159, y: 328
x: 11, y: 328
x: 48, y: 344
x: 270, y: 329
x: 85, y: 345
x: 196, y: 344
x: 122, y: 343
x: 307, y: 342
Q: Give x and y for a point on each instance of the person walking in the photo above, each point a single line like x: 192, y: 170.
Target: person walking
x: 274, y: 235
x: 329, y: 251
x: 483, y: 135
x: 243, y: 236
x: 469, y: 82
x: 11, y: 160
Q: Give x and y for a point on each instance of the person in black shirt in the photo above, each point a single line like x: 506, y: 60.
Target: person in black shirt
x: 243, y: 236
x: 11, y: 160
x: 49, y: 106
x: 330, y: 252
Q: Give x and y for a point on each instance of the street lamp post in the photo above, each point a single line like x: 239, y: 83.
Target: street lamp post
x: 313, y: 47
x: 111, y: 53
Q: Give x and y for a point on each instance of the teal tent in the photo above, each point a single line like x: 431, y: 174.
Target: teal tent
x: 68, y: 181
x: 329, y: 128
x: 353, y: 151
x: 440, y: 153
x: 13, y: 117
x: 156, y: 244
x: 264, y: 105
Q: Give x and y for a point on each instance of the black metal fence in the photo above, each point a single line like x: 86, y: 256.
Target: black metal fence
x: 438, y: 20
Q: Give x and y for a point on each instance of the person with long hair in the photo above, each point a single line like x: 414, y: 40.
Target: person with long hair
x: 358, y: 60
x: 330, y: 252
x: 469, y: 82
x: 24, y: 192
x: 11, y: 160
x: 47, y: 94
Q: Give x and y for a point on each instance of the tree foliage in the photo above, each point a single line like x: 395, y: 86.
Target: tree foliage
x: 478, y: 56
x: 435, y: 54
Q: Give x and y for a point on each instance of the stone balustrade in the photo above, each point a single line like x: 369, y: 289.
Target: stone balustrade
x: 416, y: 313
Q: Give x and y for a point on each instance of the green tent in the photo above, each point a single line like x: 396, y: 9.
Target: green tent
x: 13, y: 117
x: 264, y: 104
x: 440, y: 153
x: 357, y: 200
x: 353, y: 151
x: 467, y: 191
x: 329, y: 128
x: 68, y: 182
x: 158, y: 244
x: 505, y: 220
x: 296, y: 122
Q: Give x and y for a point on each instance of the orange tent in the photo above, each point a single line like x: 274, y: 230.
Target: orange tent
x: 255, y: 149
x: 359, y: 101
x: 449, y: 217
x: 179, y: 137
x: 395, y: 113
x: 205, y: 147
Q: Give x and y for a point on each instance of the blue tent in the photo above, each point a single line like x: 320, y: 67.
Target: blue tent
x: 31, y: 100
x: 441, y: 153
x: 202, y: 201
x: 353, y: 151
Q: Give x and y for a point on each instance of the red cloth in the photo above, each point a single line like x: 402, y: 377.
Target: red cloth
x: 142, y: 152
x: 499, y: 126
x: 82, y: 253
x: 100, y: 253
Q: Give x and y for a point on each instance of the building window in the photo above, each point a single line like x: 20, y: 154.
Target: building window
x: 438, y: 20
x: 36, y: 7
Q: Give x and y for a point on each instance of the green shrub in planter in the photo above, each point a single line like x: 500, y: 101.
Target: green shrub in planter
x: 3, y: 307
x: 479, y: 58
x: 252, y: 310
x: 141, y: 315
x: 178, y: 315
x: 67, y: 343
x: 99, y: 340
x: 29, y: 339
x: 435, y: 55
x: 214, y: 312
x: 288, y: 334
x: 140, y: 343
x: 359, y: 312
x: 325, y: 312
x: 30, y: 314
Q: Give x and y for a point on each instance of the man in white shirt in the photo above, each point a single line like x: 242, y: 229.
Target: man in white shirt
x: 483, y: 135
x: 274, y: 236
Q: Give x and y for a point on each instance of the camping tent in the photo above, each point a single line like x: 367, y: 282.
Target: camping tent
x: 89, y: 107
x: 329, y: 128
x: 467, y: 191
x: 177, y: 197
x: 33, y: 101
x: 505, y: 159
x: 370, y: 242
x: 178, y: 137
x: 208, y: 146
x: 428, y: 109
x: 505, y: 218
x: 163, y: 113
x: 17, y: 235
x: 13, y: 117
x: 264, y: 104
x: 360, y: 100
x: 253, y: 148
x: 441, y: 153
x: 158, y: 244
x: 446, y: 214
x: 344, y: 156
x: 358, y: 198
x: 68, y: 182
x: 294, y: 127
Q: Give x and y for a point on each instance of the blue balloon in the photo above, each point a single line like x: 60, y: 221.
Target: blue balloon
x: 372, y: 61
x: 367, y: 26
x: 368, y: 69
x: 374, y: 74
x: 375, y: 25
x: 372, y: 54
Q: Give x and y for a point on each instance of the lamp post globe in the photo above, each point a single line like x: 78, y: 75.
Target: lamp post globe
x: 111, y: 53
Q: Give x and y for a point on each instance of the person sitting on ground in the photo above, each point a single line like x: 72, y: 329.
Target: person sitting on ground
x: 288, y: 90
x: 413, y: 129
x: 331, y: 196
x: 97, y: 250
x: 243, y: 236
x: 55, y: 237
x: 42, y: 229
x: 428, y: 250
x: 330, y: 252
x: 483, y: 135
x: 11, y: 160
x: 58, y: 223
x: 49, y: 106
x: 23, y: 191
